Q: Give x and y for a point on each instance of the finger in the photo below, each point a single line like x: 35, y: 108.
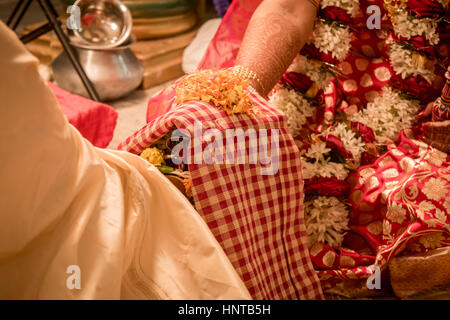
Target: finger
x: 427, y: 111
x: 437, y: 125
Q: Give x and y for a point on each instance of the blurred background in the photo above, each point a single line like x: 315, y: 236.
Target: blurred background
x: 170, y: 38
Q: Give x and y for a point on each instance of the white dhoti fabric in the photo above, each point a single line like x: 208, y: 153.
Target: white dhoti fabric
x: 109, y: 213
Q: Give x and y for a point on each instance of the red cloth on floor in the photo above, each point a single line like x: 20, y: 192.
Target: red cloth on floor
x: 95, y: 121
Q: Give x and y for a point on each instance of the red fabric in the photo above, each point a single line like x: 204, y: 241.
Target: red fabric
x: 257, y: 219
x: 296, y: 81
x: 400, y: 205
x: 363, y: 131
x: 160, y: 103
x: 368, y: 43
x: 94, y: 120
x: 223, y: 49
x: 325, y: 257
x: 336, y: 14
x: 314, y: 53
x: 426, y: 8
x: 363, y: 78
x: 326, y: 187
x: 335, y: 144
x: 417, y: 87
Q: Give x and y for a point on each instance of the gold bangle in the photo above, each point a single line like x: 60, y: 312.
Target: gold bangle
x: 246, y: 73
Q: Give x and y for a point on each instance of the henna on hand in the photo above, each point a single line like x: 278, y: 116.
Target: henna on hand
x: 276, y: 33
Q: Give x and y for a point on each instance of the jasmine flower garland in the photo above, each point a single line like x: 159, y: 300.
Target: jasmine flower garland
x: 326, y: 220
x: 295, y: 107
x: 351, y: 142
x: 401, y: 60
x: 325, y: 169
x: 317, y: 151
x: 350, y: 6
x: 332, y: 38
x: 408, y: 26
x: 388, y: 114
x: 316, y: 163
x: 312, y: 68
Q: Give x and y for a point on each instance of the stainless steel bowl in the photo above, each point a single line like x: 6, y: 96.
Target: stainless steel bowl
x: 114, y: 72
x: 104, y: 24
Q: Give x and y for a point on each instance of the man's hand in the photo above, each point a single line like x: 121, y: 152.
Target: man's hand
x: 436, y: 133
x: 276, y: 33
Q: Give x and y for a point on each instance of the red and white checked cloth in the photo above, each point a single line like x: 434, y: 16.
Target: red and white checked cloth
x: 258, y: 219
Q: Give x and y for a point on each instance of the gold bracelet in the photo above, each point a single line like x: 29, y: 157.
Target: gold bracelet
x: 246, y: 73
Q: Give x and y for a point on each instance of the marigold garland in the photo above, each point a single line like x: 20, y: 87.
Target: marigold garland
x: 153, y: 155
x: 188, y: 186
x: 218, y: 87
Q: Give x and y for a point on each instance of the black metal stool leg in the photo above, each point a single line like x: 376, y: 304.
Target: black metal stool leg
x: 13, y: 14
x: 36, y: 33
x: 52, y: 8
x: 17, y: 14
x: 49, y: 10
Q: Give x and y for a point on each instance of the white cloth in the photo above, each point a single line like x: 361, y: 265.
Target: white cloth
x: 64, y: 202
x: 194, y: 52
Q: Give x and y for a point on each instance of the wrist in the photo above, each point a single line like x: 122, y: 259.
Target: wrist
x: 255, y: 85
x: 245, y: 73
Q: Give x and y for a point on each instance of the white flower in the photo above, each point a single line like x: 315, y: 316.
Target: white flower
x: 308, y: 67
x: 317, y: 151
x: 350, y: 6
x: 324, y: 169
x: 321, y: 167
x: 295, y: 107
x: 408, y: 26
x: 332, y: 38
x: 351, y: 143
x: 326, y: 220
x: 402, y: 63
x: 388, y: 114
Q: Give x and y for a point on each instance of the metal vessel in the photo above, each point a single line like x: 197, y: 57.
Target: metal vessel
x: 115, y: 72
x: 104, y: 24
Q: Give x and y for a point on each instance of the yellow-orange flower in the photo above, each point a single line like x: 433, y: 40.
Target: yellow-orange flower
x: 187, y: 185
x: 218, y: 87
x: 153, y: 155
